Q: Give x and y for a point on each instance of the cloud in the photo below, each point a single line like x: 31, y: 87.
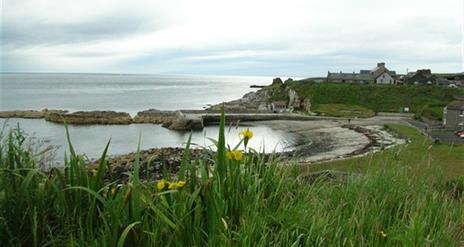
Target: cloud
x: 294, y: 37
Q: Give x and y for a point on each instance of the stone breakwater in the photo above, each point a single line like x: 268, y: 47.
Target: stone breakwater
x: 166, y: 118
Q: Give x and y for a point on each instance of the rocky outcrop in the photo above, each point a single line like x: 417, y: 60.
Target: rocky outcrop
x: 186, y: 122
x: 251, y: 102
x: 91, y: 117
x: 29, y: 114
x: 277, y: 81
x: 306, y: 105
x: 155, y: 116
x: 294, y: 100
x: 153, y: 163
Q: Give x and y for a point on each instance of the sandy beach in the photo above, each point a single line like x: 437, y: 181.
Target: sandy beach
x: 326, y: 140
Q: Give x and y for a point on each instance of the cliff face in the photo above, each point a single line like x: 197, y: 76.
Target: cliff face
x: 91, y: 117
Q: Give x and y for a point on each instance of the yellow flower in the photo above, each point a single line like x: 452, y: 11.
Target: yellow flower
x: 94, y: 172
x: 235, y: 155
x: 247, y: 134
x: 172, y: 186
x: 161, y: 184
x: 180, y: 184
x: 382, y: 234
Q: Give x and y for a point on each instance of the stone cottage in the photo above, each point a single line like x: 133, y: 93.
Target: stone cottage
x: 453, y: 115
x: 421, y: 77
x: 378, y: 75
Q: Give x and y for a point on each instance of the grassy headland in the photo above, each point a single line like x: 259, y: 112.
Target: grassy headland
x: 425, y: 101
x: 246, y: 200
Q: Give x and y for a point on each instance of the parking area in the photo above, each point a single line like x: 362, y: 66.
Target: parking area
x: 445, y: 135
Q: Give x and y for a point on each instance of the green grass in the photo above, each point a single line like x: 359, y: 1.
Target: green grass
x: 419, y: 155
x: 341, y: 110
x: 378, y: 98
x: 246, y: 202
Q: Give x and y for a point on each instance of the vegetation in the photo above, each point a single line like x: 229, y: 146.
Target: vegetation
x: 378, y: 98
x: 341, y: 110
x: 246, y: 200
x: 419, y: 155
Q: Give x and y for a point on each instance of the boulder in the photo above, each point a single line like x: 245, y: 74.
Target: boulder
x: 186, y: 122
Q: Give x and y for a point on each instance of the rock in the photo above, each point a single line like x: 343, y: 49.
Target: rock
x: 294, y: 100
x: 277, y: 81
x: 155, y: 116
x: 288, y: 81
x: 186, y: 122
x: 306, y: 105
x: 251, y: 102
x: 29, y: 114
x: 326, y: 175
x: 153, y: 163
x: 91, y: 117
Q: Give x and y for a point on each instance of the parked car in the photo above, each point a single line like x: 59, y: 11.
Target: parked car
x: 460, y: 133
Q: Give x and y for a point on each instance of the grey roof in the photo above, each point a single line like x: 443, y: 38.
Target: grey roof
x: 456, y: 105
x: 363, y: 75
x: 349, y: 76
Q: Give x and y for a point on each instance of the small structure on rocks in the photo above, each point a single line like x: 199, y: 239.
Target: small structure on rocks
x: 279, y: 106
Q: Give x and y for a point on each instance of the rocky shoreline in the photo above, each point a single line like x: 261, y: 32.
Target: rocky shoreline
x: 154, y: 163
x: 157, y: 163
x: 31, y: 114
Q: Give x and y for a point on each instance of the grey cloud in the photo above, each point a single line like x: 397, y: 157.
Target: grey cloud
x: 28, y: 32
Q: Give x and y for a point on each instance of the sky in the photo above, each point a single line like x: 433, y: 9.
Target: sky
x: 241, y: 37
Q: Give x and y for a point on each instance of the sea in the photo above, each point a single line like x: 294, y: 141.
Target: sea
x: 127, y: 93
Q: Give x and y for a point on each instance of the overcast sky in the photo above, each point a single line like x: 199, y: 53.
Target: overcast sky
x: 233, y: 37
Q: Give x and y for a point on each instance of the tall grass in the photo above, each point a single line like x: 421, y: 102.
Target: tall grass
x: 226, y: 201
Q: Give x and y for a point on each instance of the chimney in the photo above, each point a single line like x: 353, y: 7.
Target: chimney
x: 380, y: 64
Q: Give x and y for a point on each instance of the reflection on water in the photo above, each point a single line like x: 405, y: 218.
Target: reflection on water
x: 91, y: 139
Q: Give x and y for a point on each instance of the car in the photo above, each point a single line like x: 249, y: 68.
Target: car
x: 460, y: 133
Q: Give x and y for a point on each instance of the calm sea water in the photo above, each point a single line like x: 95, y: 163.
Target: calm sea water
x: 129, y: 93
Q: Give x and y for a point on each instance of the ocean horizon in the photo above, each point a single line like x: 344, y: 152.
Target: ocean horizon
x: 125, y: 93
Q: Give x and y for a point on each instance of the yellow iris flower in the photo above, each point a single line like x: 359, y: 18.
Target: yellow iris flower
x: 235, y: 155
x: 161, y: 184
x: 382, y: 234
x: 247, y: 134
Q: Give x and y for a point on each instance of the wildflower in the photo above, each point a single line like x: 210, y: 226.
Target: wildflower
x: 172, y: 186
x: 235, y: 155
x: 382, y: 234
x: 247, y: 134
x: 161, y: 184
x: 180, y: 184
x: 94, y: 172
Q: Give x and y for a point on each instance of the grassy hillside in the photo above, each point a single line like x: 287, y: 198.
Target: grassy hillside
x: 379, y: 98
